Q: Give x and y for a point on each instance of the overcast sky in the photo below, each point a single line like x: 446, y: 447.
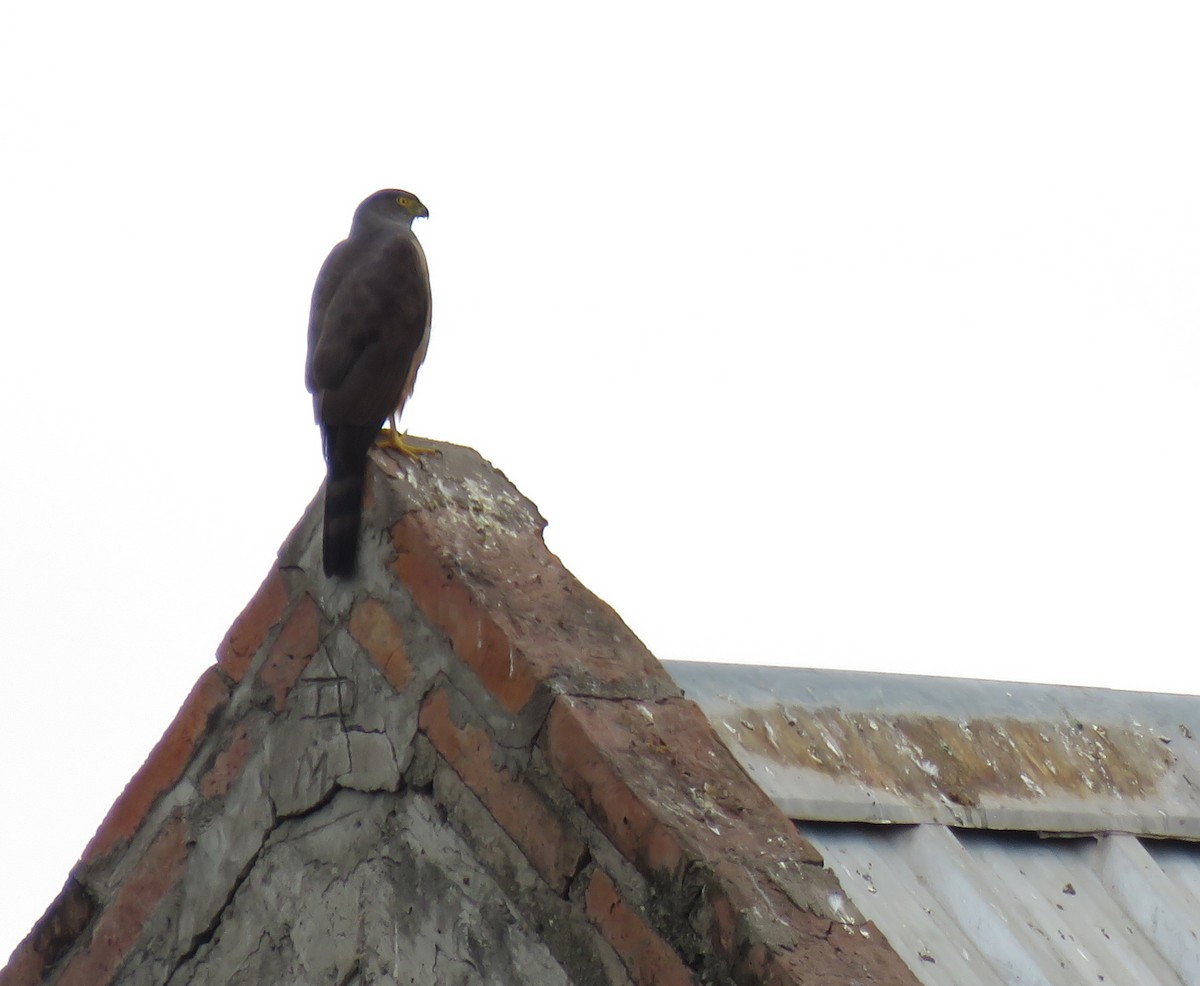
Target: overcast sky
x: 842, y: 335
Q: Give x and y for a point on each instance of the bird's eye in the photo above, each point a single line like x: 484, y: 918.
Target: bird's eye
x: 402, y: 201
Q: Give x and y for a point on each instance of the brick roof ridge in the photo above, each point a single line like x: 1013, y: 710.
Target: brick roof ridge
x: 467, y: 664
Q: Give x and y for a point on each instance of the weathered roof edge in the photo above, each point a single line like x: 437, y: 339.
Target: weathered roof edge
x: 846, y: 746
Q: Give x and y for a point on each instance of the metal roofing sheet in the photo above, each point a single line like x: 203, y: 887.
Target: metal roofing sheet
x: 967, y: 908
x: 850, y: 746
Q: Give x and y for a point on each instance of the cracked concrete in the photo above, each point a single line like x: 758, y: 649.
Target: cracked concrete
x: 317, y: 865
x: 370, y: 889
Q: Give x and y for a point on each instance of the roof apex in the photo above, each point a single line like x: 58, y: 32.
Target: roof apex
x: 480, y: 735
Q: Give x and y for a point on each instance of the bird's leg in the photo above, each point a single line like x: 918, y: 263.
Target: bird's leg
x: 390, y: 437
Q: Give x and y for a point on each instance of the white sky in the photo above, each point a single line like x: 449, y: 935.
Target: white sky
x: 845, y: 335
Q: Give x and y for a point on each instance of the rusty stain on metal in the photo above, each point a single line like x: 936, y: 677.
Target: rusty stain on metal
x: 916, y: 755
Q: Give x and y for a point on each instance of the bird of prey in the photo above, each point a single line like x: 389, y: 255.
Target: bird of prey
x: 368, y: 331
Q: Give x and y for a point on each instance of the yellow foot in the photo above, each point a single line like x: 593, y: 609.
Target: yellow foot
x: 391, y: 438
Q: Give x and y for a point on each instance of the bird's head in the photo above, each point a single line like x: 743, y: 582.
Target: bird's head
x: 390, y: 205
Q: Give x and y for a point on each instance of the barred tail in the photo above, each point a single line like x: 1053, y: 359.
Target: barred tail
x: 346, y: 458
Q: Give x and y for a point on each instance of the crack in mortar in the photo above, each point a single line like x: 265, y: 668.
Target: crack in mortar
x: 203, y: 937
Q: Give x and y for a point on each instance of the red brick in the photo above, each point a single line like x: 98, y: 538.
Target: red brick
x: 649, y: 959
x: 451, y: 607
x: 514, y: 614
x: 825, y: 952
x: 591, y: 751
x: 54, y: 933
x: 229, y: 763
x: 121, y: 924
x: 647, y: 766
x: 553, y: 850
x: 722, y: 930
x: 671, y: 798
x: 378, y: 633
x: 163, y: 767
x: 293, y: 649
x: 249, y: 630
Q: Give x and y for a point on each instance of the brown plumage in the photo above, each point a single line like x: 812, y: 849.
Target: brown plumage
x: 367, y: 335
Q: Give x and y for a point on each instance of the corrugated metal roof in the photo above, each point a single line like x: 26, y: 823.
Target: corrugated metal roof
x: 965, y: 907
x: 963, y: 778
x: 849, y: 746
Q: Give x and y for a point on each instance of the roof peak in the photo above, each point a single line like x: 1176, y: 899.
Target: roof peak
x: 461, y: 741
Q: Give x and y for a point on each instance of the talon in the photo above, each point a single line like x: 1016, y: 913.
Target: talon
x: 390, y: 438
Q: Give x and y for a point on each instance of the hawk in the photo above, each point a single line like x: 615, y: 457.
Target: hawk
x: 368, y: 331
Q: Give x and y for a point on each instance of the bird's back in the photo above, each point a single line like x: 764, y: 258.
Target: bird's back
x: 368, y: 332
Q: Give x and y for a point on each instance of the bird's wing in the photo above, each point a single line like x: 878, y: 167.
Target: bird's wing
x: 370, y: 319
x: 330, y: 277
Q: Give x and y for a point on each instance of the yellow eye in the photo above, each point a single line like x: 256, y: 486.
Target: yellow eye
x: 403, y: 202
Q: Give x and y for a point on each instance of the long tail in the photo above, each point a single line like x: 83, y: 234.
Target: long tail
x: 346, y: 450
